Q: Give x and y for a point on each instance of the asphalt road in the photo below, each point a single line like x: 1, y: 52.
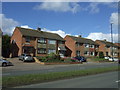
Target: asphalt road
x: 55, y: 68
x: 104, y: 80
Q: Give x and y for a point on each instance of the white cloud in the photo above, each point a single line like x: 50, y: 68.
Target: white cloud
x: 26, y: 26
x: 59, y: 6
x: 60, y: 32
x: 7, y: 24
x: 93, y: 7
x: 102, y: 0
x: 114, y: 19
x: 102, y: 36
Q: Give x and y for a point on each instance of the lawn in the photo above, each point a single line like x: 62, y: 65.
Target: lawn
x: 11, y: 81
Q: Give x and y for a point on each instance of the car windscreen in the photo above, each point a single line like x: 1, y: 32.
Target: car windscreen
x: 28, y: 55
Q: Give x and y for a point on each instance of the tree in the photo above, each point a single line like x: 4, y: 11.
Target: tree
x: 101, y: 55
x: 6, y: 46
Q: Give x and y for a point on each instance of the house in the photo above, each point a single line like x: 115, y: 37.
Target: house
x: 0, y: 43
x: 108, y: 48
x: 79, y: 46
x: 36, y: 42
x: 118, y: 44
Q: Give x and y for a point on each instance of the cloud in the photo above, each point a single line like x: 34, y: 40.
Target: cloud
x: 26, y: 26
x: 102, y: 0
x: 102, y: 36
x: 60, y: 32
x: 7, y: 24
x: 59, y: 6
x: 114, y: 19
x: 93, y: 7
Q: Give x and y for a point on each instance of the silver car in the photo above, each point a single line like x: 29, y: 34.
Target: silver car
x: 5, y: 63
x: 26, y: 57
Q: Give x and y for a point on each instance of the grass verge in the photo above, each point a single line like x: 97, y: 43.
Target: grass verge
x: 11, y: 81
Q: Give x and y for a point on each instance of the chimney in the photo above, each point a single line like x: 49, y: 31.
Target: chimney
x: 105, y: 40
x: 79, y: 36
x: 39, y: 29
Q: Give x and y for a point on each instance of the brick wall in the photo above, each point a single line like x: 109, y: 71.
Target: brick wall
x: 16, y: 43
x: 70, y: 44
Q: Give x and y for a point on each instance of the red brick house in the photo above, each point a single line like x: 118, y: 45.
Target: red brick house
x: 36, y: 42
x: 107, y: 48
x: 78, y: 46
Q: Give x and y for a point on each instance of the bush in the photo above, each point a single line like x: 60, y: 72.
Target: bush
x: 101, y: 55
x: 50, y: 58
x: 69, y: 60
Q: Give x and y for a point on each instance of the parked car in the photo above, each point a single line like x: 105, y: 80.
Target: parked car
x: 5, y: 63
x: 113, y: 59
x: 73, y: 58
x: 26, y: 57
x: 81, y: 58
x: 106, y: 57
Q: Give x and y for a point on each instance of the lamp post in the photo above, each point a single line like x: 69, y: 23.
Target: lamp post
x: 112, y: 39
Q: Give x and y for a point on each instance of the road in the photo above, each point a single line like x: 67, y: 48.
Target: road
x: 53, y: 68
x: 104, y: 80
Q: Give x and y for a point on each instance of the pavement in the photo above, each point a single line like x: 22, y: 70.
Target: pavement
x: 104, y: 80
x: 22, y: 68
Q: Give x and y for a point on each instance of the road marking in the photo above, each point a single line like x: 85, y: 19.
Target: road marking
x: 117, y: 81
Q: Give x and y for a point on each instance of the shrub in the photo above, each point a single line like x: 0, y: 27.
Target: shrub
x: 50, y: 58
x: 101, y: 55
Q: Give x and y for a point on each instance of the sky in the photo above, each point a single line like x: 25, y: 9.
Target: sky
x: 89, y: 19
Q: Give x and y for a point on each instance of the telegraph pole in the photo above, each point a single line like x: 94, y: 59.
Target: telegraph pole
x: 112, y: 40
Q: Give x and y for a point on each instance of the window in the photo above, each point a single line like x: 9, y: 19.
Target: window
x: 27, y: 39
x: 86, y: 45
x: 41, y: 40
x: 61, y: 42
x: 51, y: 51
x: 78, y: 44
x: 91, y: 46
x: 86, y: 53
x: 92, y: 53
x: 77, y: 53
x: 51, y: 41
x: 115, y: 53
x: 41, y: 51
x: 106, y: 53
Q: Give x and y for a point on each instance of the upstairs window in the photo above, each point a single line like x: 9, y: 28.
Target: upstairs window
x: 61, y: 42
x: 87, y: 45
x: 51, y: 41
x: 79, y: 44
x: 42, y: 40
x: 27, y: 39
x: 91, y: 46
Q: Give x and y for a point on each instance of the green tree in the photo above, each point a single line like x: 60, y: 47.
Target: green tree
x: 6, y: 45
x: 101, y: 55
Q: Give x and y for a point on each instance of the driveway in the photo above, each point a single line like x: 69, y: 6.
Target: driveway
x: 21, y: 68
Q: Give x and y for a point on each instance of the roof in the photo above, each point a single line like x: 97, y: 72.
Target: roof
x: 36, y: 33
x: 83, y: 40
x: 107, y: 43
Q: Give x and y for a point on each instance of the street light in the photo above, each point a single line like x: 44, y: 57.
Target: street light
x: 112, y: 39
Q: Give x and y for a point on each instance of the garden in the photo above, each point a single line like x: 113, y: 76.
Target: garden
x: 55, y: 58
